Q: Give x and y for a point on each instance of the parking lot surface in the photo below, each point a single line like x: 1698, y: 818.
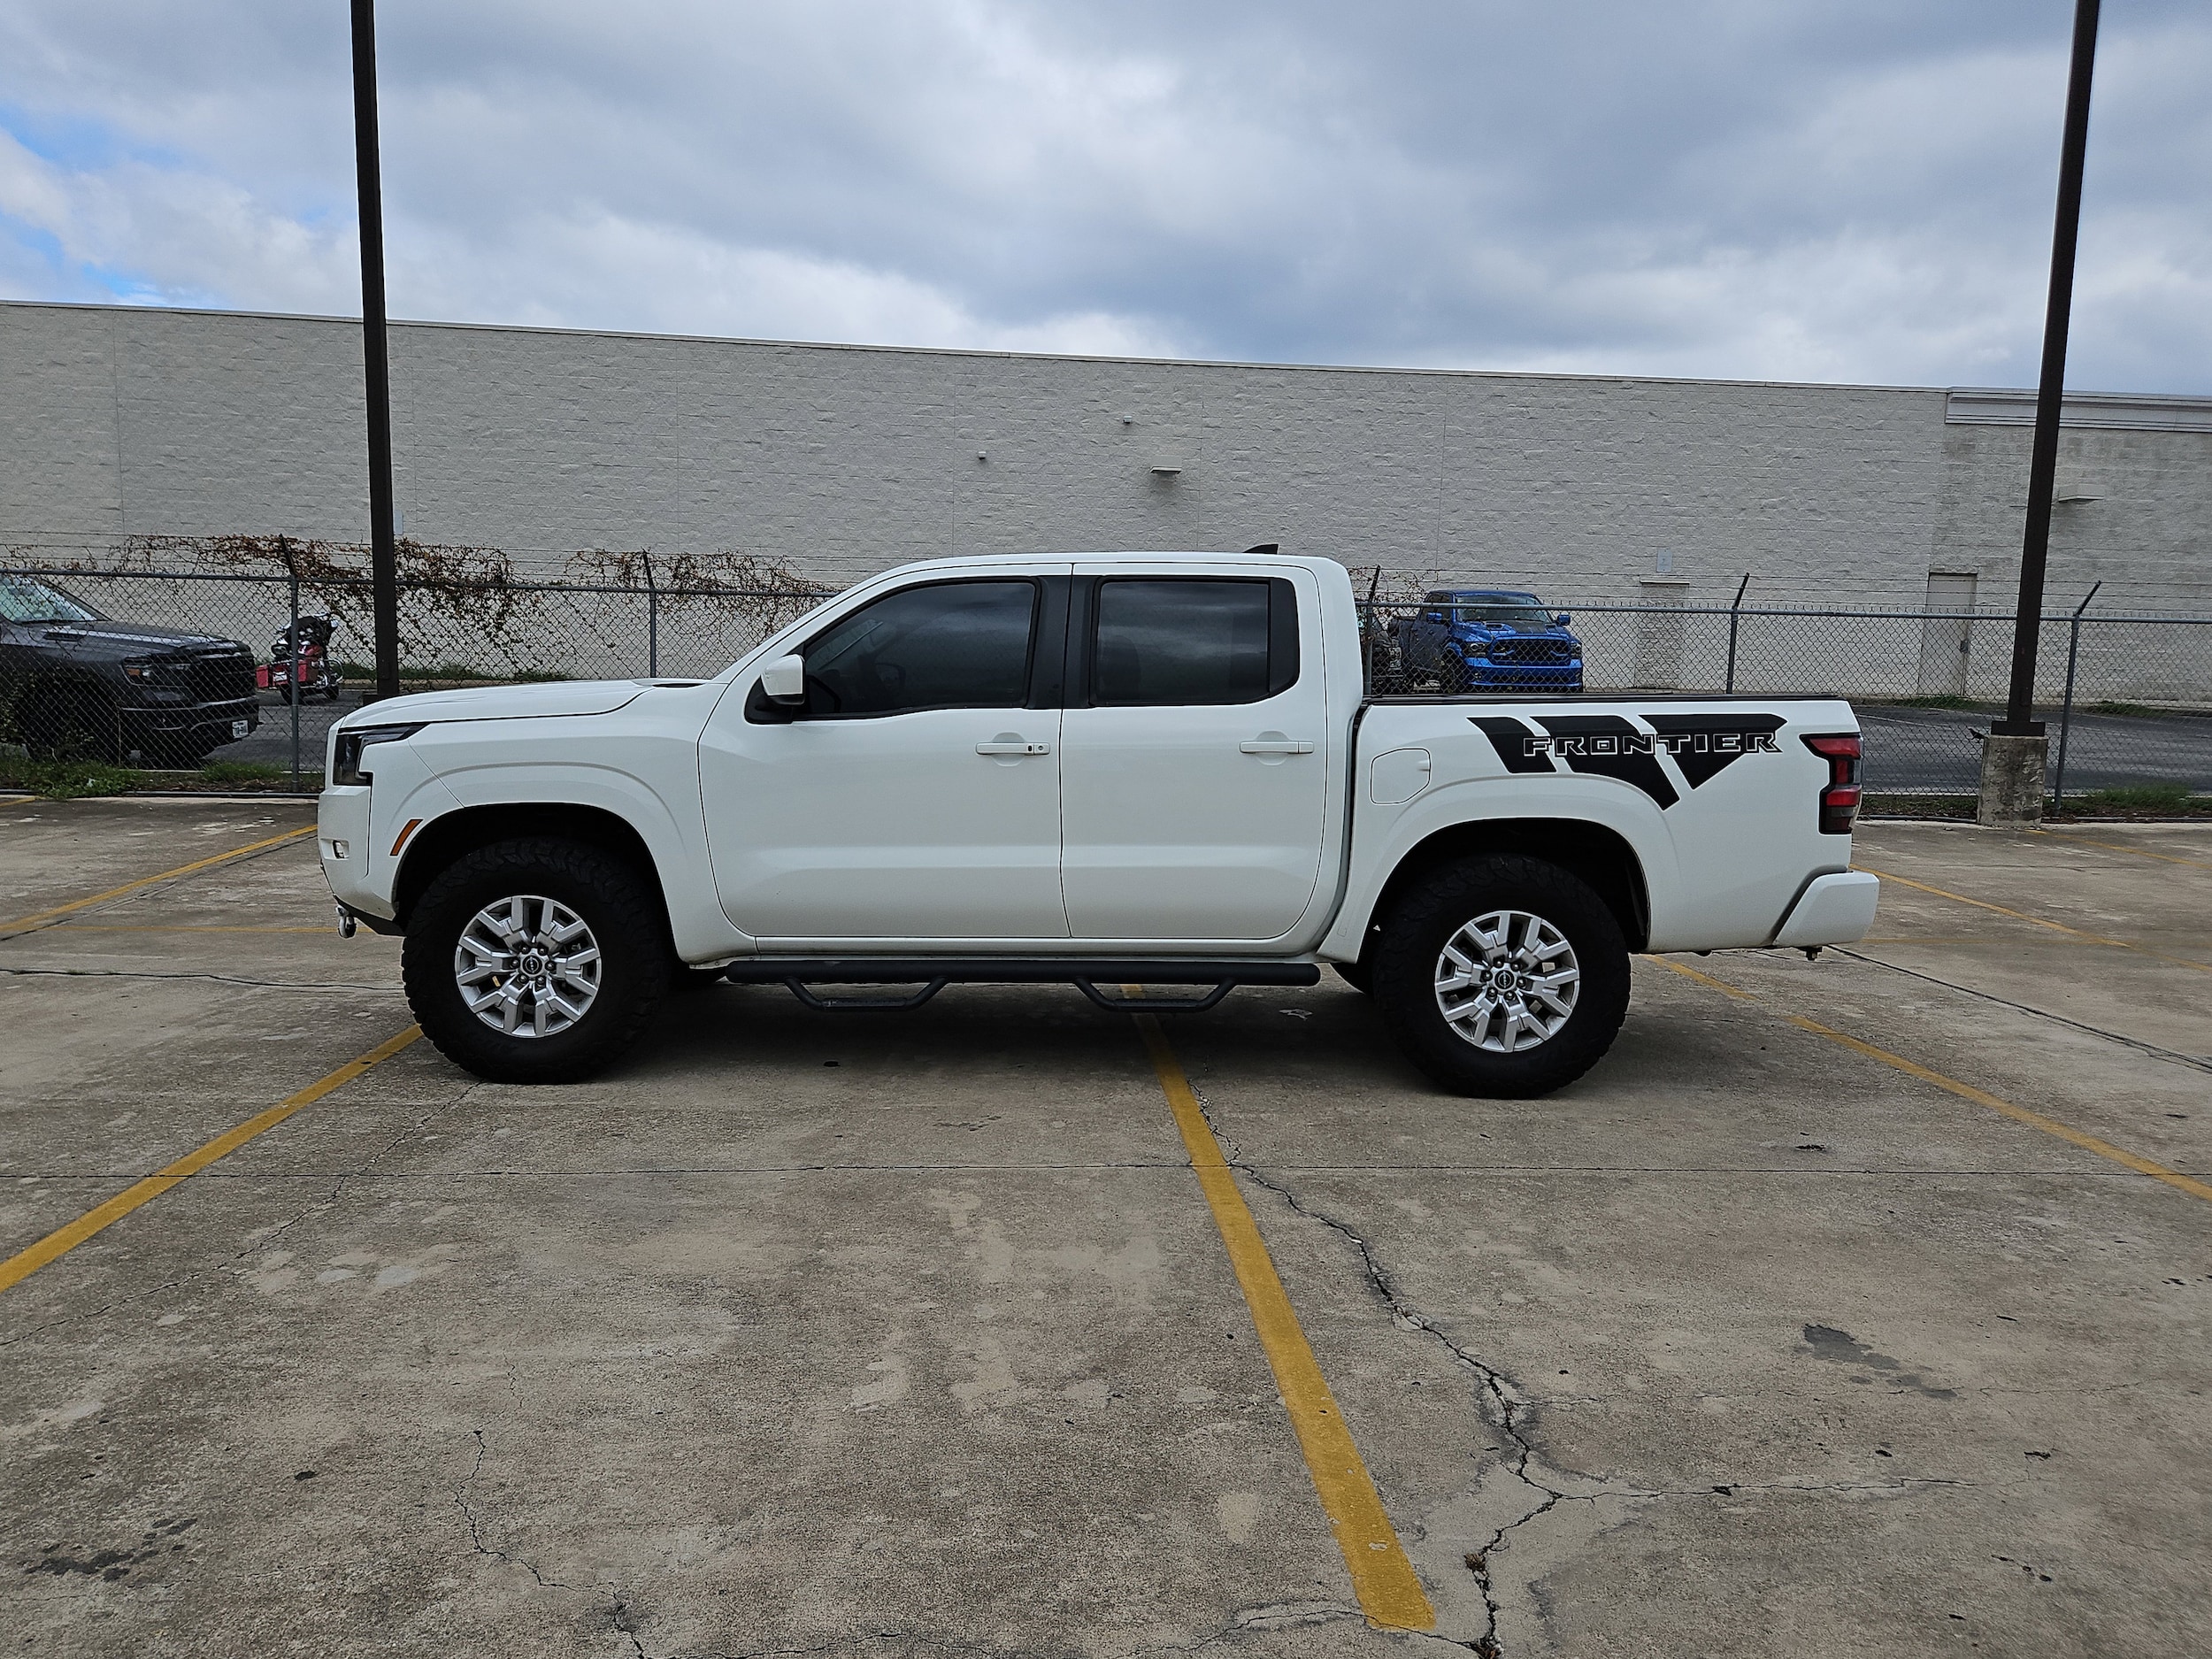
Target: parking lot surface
x: 1851, y: 1306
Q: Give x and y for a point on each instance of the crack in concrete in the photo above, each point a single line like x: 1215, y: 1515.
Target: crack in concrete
x: 618, y: 1611
x: 1503, y: 1402
x: 1509, y: 1405
x: 619, y: 1614
x: 476, y: 1535
x: 1263, y: 1616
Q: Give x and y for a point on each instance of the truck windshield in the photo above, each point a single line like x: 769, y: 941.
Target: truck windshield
x: 23, y: 600
x: 1514, y: 611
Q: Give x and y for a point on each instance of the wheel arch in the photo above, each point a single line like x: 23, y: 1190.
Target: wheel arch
x: 1596, y: 853
x: 455, y: 834
x: 50, y: 683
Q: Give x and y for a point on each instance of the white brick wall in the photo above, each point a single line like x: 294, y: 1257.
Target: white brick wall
x: 840, y: 460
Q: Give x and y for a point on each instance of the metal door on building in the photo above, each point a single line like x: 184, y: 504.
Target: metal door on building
x: 1944, y: 640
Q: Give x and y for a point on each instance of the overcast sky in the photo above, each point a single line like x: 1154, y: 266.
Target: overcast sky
x: 1801, y: 190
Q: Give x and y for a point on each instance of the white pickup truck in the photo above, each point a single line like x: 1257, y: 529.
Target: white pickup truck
x: 1117, y: 769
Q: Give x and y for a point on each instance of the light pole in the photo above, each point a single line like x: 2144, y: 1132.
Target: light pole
x: 383, y: 544
x: 2013, y: 757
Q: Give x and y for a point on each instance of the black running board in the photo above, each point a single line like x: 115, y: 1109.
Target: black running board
x: 933, y: 974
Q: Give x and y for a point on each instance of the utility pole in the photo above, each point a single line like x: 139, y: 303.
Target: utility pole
x: 2013, y: 757
x: 383, y: 543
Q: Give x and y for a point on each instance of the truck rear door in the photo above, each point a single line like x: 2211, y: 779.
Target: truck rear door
x: 1193, y: 753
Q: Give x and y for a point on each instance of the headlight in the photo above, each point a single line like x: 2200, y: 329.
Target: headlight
x: 144, y: 668
x: 346, y: 765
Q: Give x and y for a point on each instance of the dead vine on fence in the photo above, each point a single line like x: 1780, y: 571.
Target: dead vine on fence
x: 474, y: 587
x: 471, y: 599
x: 744, y: 585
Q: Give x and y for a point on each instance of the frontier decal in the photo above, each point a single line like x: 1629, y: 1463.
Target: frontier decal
x: 1611, y: 746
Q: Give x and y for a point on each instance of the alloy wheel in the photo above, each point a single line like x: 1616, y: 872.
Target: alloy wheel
x: 1507, y: 981
x: 527, y: 966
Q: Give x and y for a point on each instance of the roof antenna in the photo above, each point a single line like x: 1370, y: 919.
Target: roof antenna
x: 1265, y: 547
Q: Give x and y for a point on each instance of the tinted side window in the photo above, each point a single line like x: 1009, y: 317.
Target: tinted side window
x: 951, y: 645
x: 1185, y: 641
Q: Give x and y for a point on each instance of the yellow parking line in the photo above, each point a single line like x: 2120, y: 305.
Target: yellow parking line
x: 2121, y: 846
x: 36, y: 916
x: 1984, y: 904
x: 1389, y: 1590
x: 2067, y: 1133
x: 2040, y: 921
x: 58, y: 1243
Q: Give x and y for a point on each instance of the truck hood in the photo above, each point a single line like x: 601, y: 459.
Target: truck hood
x: 503, y: 703
x: 1508, y: 630
x: 108, y: 638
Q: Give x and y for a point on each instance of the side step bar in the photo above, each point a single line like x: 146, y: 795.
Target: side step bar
x: 933, y: 974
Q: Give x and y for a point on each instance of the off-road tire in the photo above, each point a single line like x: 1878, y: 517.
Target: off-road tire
x: 1404, y: 966
x: 1359, y: 975
x: 621, y: 905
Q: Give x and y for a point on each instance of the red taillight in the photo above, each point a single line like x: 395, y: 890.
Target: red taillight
x: 1839, y: 798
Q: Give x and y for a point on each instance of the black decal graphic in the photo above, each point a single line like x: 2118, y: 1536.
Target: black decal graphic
x: 1701, y: 744
x: 1602, y: 743
x: 1520, y: 748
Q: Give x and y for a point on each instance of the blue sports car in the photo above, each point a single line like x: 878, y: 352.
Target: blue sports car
x: 1473, y: 639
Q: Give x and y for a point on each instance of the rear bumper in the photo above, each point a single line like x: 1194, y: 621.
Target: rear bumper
x: 1834, y: 909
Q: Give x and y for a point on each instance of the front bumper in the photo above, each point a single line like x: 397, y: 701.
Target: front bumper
x: 212, y: 723
x: 344, y: 838
x: 1532, y: 676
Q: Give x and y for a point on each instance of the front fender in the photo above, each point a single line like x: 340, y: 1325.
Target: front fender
x: 642, y: 770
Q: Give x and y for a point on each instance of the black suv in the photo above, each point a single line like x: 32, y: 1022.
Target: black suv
x: 77, y: 685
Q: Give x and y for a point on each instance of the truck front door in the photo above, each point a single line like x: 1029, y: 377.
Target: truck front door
x: 1193, y: 755
x: 915, y: 794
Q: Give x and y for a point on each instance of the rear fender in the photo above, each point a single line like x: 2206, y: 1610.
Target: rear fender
x: 1611, y: 836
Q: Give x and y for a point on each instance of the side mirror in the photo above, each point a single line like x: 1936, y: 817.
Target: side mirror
x: 785, y: 680
x: 1563, y: 617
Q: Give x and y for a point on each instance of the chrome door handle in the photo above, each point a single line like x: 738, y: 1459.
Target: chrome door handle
x: 1275, y: 746
x: 1002, y: 747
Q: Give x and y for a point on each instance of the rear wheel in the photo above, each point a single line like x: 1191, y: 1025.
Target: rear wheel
x: 1503, y: 976
x: 537, y: 961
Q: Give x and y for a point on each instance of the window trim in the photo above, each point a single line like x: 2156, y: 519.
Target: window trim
x: 760, y: 709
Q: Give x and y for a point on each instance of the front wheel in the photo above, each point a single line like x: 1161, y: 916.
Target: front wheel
x: 1503, y: 976
x: 537, y: 961
x: 67, y: 720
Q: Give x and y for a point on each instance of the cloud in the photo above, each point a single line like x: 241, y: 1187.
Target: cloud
x: 1777, y: 189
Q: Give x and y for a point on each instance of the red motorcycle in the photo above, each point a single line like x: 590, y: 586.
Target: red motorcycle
x: 310, y: 650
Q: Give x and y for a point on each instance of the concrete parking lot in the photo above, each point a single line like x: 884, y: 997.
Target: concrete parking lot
x: 1858, y: 1306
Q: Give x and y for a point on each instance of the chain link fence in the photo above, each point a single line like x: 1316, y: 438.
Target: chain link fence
x: 2129, y: 699
x: 245, y: 673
